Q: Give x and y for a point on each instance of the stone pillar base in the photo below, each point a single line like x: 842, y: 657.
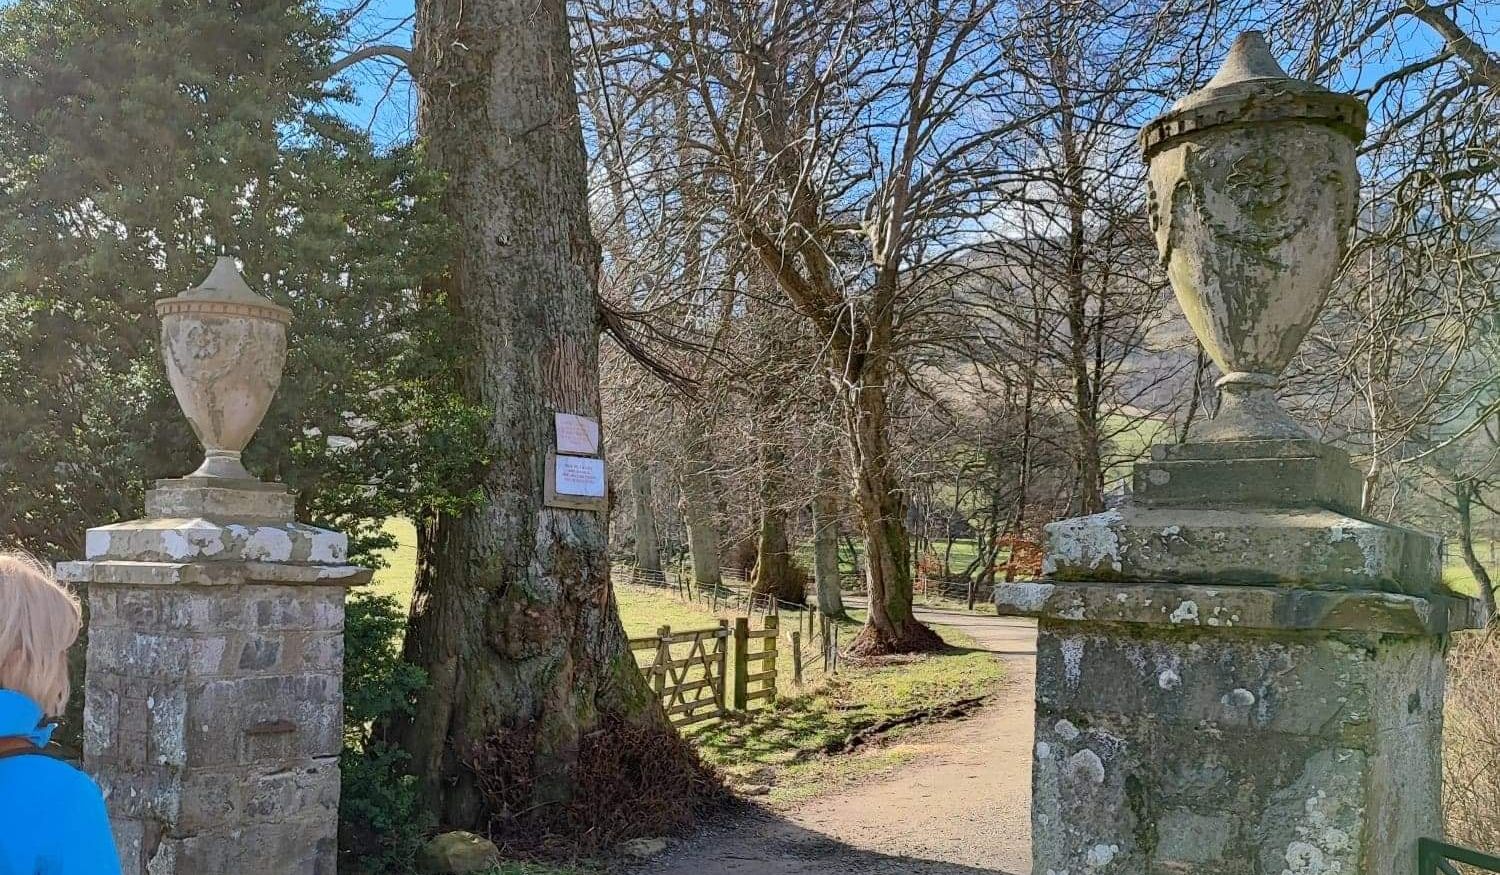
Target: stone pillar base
x: 214, y: 713
x: 1234, y: 730
x: 1264, y: 473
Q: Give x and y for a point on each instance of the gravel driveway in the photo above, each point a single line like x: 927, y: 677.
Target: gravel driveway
x: 961, y: 806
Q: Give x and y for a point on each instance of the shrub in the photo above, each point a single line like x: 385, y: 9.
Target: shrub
x: 1471, y: 742
x: 633, y: 780
x: 382, y: 822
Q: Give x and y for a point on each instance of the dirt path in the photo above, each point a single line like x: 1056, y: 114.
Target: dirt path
x: 960, y: 807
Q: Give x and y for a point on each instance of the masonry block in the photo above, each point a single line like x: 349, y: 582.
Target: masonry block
x: 214, y: 703
x: 1163, y: 749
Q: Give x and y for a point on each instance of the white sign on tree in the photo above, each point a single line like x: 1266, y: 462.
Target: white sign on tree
x: 580, y: 475
x: 575, y: 475
x: 577, y: 434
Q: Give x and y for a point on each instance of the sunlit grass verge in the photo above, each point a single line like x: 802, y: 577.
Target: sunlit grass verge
x: 786, y: 746
x: 798, y: 747
x: 1457, y: 576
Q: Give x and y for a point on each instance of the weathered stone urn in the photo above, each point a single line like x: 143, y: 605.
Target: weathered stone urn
x: 1252, y: 194
x: 1238, y: 671
x: 225, y: 347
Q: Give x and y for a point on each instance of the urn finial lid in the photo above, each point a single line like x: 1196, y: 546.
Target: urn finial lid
x: 224, y: 287
x: 1249, y: 58
x: 1252, y: 87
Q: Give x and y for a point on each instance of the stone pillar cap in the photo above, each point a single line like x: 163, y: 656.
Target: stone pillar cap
x: 1252, y: 87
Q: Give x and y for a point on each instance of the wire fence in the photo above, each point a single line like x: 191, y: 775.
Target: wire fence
x: 952, y: 590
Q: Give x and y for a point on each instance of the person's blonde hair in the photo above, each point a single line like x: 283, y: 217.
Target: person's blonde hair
x: 39, y: 621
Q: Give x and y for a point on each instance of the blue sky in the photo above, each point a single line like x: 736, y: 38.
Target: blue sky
x: 384, y: 101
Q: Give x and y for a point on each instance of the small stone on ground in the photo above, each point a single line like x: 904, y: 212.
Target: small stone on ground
x: 643, y: 849
x: 456, y: 853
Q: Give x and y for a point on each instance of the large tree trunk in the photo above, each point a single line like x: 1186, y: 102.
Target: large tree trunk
x: 773, y: 565
x: 825, y: 518
x: 514, y: 619
x: 647, y: 544
x: 891, y: 627
x: 702, y: 530
x: 698, y: 505
x: 773, y: 574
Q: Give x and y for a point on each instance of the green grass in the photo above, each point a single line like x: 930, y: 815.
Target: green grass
x: 1458, y: 577
x: 400, y: 571
x: 643, y: 610
x: 933, y: 600
x: 1130, y: 437
x: 784, y: 745
x: 965, y: 551
x: 784, y: 741
x: 536, y: 869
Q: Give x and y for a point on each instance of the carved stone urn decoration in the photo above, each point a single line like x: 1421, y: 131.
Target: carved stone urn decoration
x: 225, y: 347
x: 1252, y: 193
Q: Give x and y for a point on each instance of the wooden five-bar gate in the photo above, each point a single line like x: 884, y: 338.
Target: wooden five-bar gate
x: 690, y: 670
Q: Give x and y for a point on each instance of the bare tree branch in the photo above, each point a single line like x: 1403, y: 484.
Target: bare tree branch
x: 399, y: 53
x: 1484, y: 65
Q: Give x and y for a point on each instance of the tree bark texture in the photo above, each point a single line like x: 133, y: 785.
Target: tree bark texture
x: 773, y: 573
x: 514, y: 619
x: 647, y: 545
x: 891, y: 627
x: 825, y: 516
x: 698, y: 504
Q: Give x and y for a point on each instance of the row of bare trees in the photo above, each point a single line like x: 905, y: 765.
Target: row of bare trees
x: 883, y: 260
x: 943, y: 203
x: 916, y: 204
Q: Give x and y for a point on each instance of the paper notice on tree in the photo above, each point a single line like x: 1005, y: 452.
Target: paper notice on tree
x: 580, y: 476
x: 577, y: 434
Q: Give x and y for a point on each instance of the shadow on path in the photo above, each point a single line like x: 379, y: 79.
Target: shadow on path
x: 765, y: 844
x: 961, y: 807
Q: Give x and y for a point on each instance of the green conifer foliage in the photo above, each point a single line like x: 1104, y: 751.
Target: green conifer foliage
x: 138, y: 139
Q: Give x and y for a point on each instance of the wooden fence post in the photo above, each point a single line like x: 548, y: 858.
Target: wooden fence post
x: 741, y: 663
x: 773, y: 627
x: 663, y: 656
x: 721, y: 655
x: 797, y: 657
x: 822, y: 638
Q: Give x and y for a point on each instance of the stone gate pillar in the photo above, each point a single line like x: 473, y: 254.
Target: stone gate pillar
x: 214, y: 706
x: 1236, y: 672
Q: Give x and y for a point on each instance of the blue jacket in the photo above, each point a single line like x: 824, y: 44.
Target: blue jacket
x: 52, y: 819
